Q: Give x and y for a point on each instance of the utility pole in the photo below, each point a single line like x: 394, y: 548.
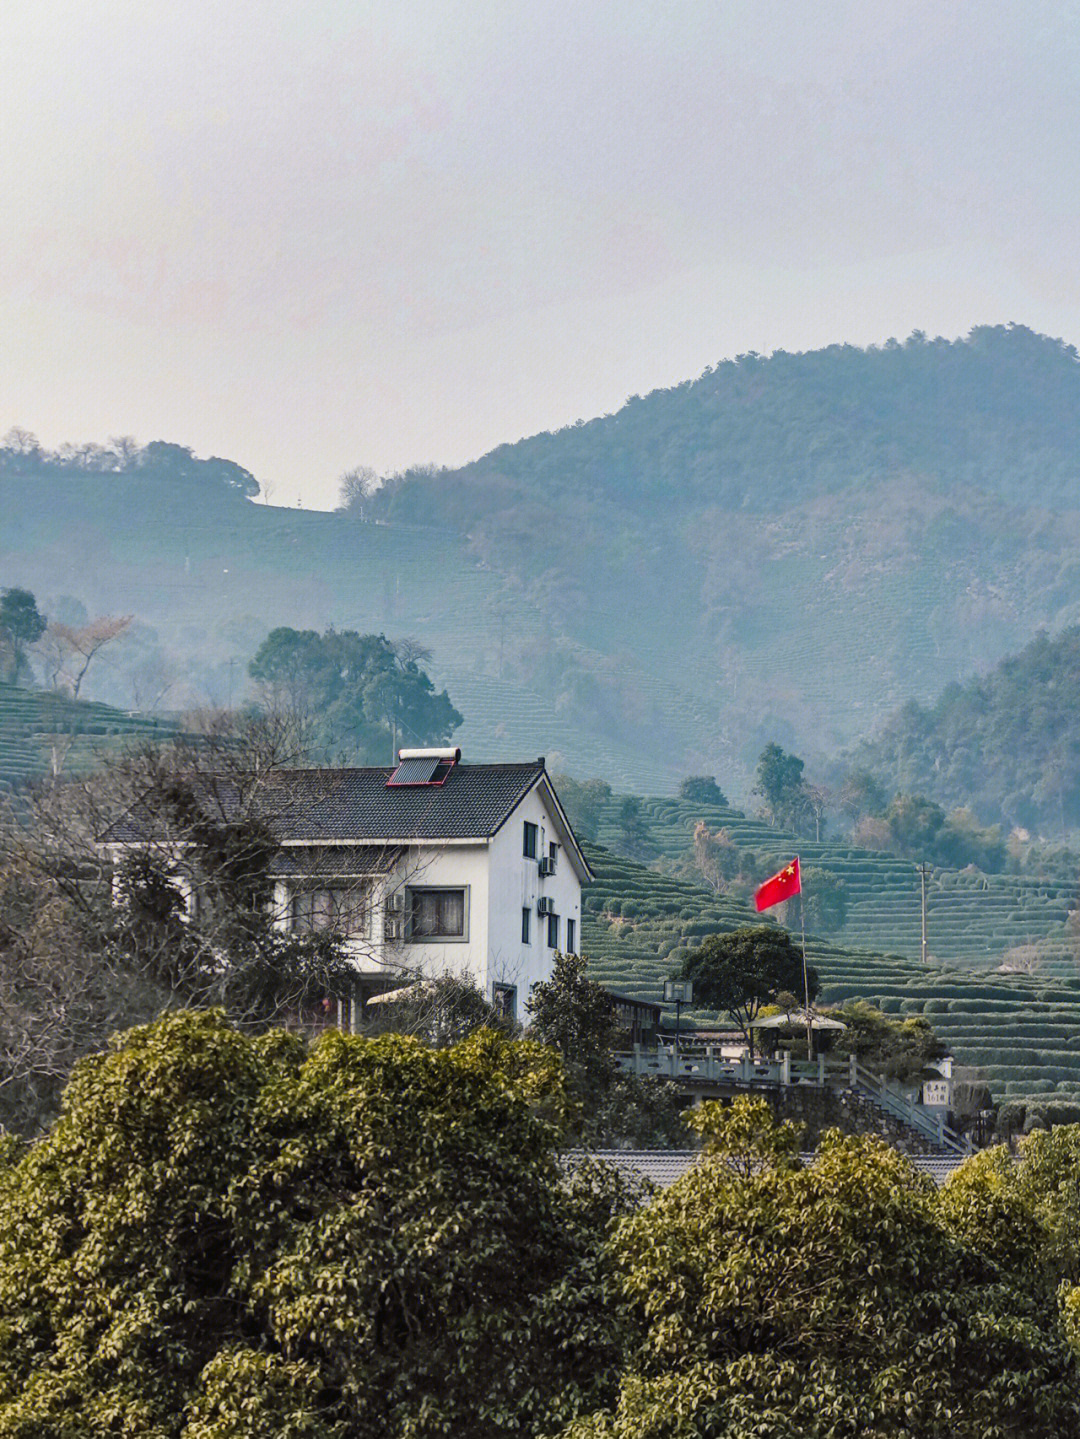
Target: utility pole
x: 924, y: 870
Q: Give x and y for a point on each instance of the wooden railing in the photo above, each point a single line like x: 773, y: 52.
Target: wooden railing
x: 706, y: 1065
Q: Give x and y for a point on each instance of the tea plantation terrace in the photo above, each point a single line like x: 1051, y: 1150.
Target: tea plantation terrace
x: 975, y: 921
x: 40, y: 730
x: 1020, y: 1032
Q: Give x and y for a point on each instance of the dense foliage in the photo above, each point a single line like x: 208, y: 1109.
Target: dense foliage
x: 839, y: 1300
x: 1005, y: 743
x: 229, y: 1237
x: 20, y: 453
x: 223, y: 1236
x: 740, y: 972
x: 576, y: 1017
x: 21, y: 625
x: 352, y: 696
x: 896, y: 1048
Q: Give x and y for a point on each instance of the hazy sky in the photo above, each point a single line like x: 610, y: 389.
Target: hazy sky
x: 316, y: 234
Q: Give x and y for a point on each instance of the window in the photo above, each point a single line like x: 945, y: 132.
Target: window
x: 571, y: 936
x: 553, y: 855
x: 526, y: 924
x: 437, y: 913
x: 553, y: 931
x: 504, y: 1000
x: 340, y: 908
x: 529, y: 844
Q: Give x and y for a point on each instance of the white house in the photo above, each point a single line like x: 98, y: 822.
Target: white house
x: 433, y: 866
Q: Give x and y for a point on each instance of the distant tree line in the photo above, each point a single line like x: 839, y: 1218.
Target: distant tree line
x: 1006, y: 744
x: 21, y: 453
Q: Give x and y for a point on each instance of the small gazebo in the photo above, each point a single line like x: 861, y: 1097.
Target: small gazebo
x: 799, y: 1021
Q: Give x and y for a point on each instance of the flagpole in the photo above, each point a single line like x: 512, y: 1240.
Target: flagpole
x: 805, y: 973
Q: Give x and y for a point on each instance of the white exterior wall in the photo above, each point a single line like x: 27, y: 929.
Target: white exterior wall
x: 499, y: 882
x: 515, y: 884
x: 455, y: 866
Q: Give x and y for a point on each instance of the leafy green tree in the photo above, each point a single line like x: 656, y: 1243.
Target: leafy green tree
x: 898, y: 1048
x: 826, y: 1301
x: 914, y: 823
x: 701, y: 789
x: 824, y: 899
x: 738, y: 972
x: 861, y: 796
x: 635, y: 838
x: 21, y: 625
x: 788, y: 799
x: 576, y: 1017
x: 350, y: 693
x: 584, y: 802
x: 572, y: 1013
x: 222, y: 1235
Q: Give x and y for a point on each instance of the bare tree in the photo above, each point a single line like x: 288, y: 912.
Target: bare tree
x: 69, y: 650
x: 356, y: 486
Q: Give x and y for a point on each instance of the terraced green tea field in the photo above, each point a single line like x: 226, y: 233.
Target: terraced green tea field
x: 1021, y: 1033
x: 994, y: 922
x: 41, y: 731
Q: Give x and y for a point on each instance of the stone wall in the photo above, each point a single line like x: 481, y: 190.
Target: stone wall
x: 843, y: 1109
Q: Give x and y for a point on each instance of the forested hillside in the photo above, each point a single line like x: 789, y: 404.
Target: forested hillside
x: 1007, y: 743
x: 785, y: 548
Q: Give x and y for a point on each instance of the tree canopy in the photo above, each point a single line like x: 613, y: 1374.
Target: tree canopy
x: 351, y: 695
x: 21, y: 625
x: 834, y: 1300
x: 742, y: 970
x: 1002, y: 743
x: 374, y: 1238
x: 222, y: 1235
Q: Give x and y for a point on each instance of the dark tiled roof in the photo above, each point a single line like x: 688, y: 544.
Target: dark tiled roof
x: 663, y: 1167
x: 355, y: 804
x: 333, y: 861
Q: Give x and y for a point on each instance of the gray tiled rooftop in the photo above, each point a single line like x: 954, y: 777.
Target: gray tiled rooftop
x: 663, y: 1167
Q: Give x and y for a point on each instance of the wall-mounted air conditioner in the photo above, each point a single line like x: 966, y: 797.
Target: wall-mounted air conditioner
x: 545, y: 905
x: 394, y: 916
x: 546, y: 866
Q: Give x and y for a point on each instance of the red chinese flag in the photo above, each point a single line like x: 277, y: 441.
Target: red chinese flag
x: 782, y: 886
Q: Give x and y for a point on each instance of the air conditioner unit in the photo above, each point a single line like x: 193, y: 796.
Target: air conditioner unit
x: 546, y: 866
x: 394, y: 916
x: 545, y: 905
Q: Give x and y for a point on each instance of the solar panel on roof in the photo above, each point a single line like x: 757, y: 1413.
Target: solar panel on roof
x: 415, y: 771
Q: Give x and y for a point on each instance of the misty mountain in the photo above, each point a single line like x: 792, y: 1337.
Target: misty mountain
x: 1006, y: 743
x: 785, y: 548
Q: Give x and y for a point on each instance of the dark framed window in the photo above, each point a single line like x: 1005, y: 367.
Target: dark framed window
x: 528, y: 847
x: 571, y: 936
x: 553, y: 855
x: 437, y: 914
x: 504, y: 1000
x: 553, y: 931
x: 526, y: 924
x: 339, y: 909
